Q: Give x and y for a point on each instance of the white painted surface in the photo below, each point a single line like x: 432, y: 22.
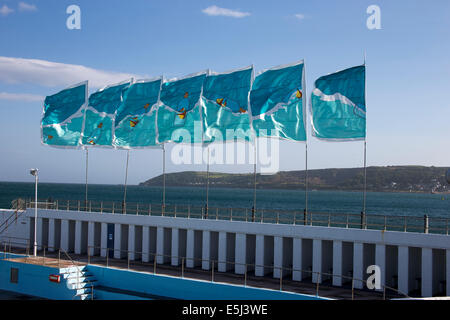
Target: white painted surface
x: 131, y: 241
x: 222, y: 267
x: 175, y: 247
x: 297, y: 259
x: 317, y: 261
x: 277, y: 256
x: 206, y: 250
x: 51, y: 235
x: 380, y: 260
x: 240, y: 253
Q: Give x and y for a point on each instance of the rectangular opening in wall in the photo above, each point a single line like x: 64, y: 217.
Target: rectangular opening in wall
x: 167, y: 245
x: 152, y: 243
x: 268, y: 255
x: 250, y: 251
x: 44, y: 233
x: 214, y: 248
x: 182, y: 239
x: 307, y: 245
x: 287, y: 256
x: 57, y: 234
x: 231, y: 242
x: 415, y: 270
x: 438, y: 273
x: 198, y: 246
x: 71, y: 236
x: 327, y: 260
x: 14, y: 278
x: 392, y: 266
x: 347, y: 262
x: 138, y: 242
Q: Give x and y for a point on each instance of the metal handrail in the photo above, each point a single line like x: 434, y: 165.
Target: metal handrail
x: 16, y: 214
x: 78, y: 273
x: 440, y: 225
x: 213, y: 262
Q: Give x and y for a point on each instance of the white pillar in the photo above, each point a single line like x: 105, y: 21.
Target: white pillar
x: 427, y: 272
x: 241, y: 253
x: 51, y: 235
x: 259, y: 255
x: 145, y: 243
x: 403, y: 269
x: 160, y: 245
x: 447, y: 279
x: 78, y: 236
x: 206, y: 250
x: 65, y: 235
x: 337, y: 263
x: 358, y: 265
x: 175, y: 248
x: 117, y: 240
x: 39, y: 233
x: 91, y: 237
x: 380, y: 260
x: 131, y: 241
x: 277, y: 256
x: 222, y: 267
x: 297, y: 259
x: 104, y: 239
x: 317, y: 261
x: 190, y: 248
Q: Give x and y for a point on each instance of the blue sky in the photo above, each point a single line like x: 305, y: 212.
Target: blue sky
x: 408, y: 68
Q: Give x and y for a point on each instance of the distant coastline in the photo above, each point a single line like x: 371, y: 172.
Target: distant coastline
x: 405, y: 179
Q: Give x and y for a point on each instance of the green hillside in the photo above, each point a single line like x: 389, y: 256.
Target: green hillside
x: 391, y: 179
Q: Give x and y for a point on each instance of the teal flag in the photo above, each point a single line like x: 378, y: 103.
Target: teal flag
x: 277, y: 103
x: 135, y: 122
x: 63, y: 117
x: 338, y: 106
x: 102, y: 108
x: 225, y: 100
x: 179, y: 118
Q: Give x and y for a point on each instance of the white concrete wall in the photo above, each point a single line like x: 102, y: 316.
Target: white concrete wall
x: 236, y: 245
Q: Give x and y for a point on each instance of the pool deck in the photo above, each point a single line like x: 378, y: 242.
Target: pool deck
x: 325, y: 289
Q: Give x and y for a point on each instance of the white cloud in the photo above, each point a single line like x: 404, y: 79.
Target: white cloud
x: 54, y: 74
x: 20, y: 97
x: 23, y: 6
x: 217, y: 11
x: 300, y: 16
x: 5, y: 10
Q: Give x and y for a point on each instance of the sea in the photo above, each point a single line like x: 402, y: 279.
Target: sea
x: 379, y: 203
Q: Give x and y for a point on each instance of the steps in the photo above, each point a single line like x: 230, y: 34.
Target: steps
x: 80, y: 281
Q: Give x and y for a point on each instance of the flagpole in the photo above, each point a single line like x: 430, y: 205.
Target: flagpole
x: 365, y: 149
x: 124, y: 206
x: 164, y: 179
x: 365, y: 176
x: 86, y: 191
x: 254, y: 183
x: 306, y: 177
x: 207, y: 186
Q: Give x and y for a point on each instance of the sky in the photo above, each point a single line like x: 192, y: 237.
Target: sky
x: 407, y: 60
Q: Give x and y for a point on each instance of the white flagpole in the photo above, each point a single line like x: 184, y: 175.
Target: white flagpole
x: 306, y: 177
x: 86, y: 191
x: 164, y: 179
x: 365, y: 149
x: 254, y: 183
x: 124, y: 207
x: 207, y: 186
